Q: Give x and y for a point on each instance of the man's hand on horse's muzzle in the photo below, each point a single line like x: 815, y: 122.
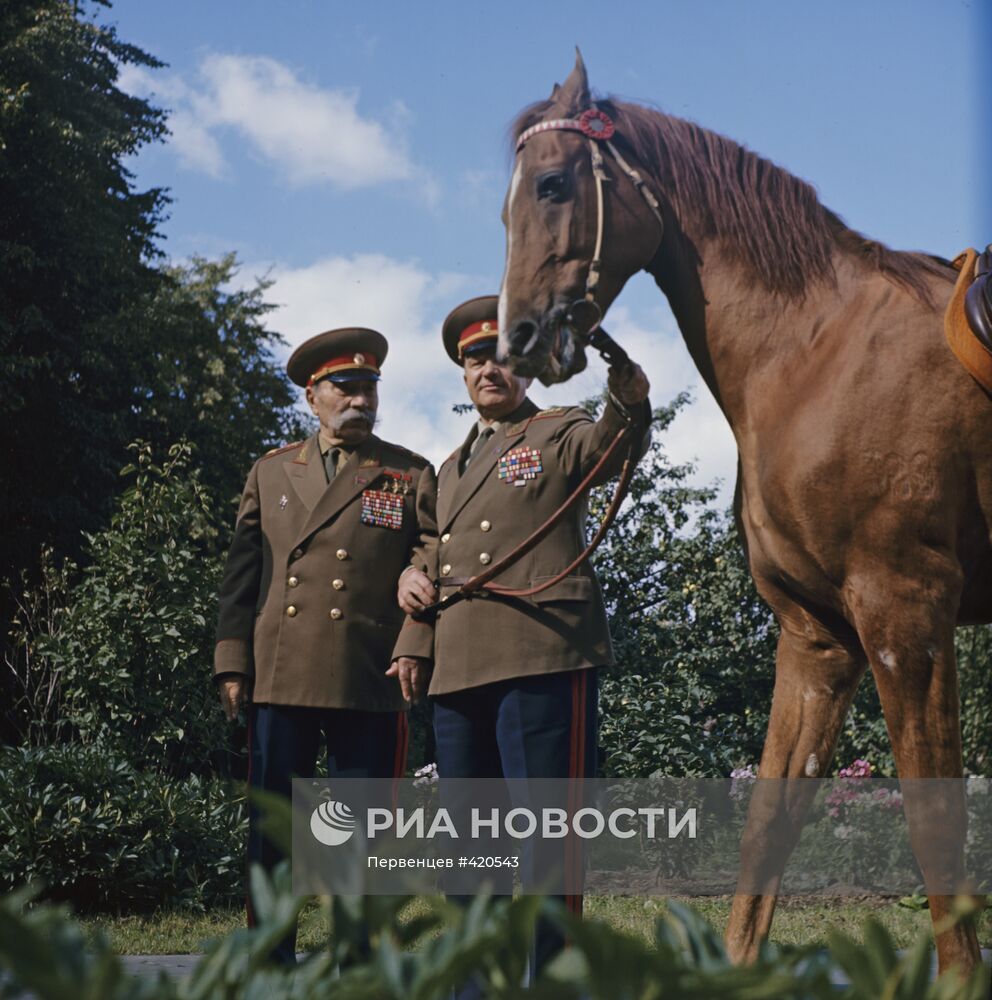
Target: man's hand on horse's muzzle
x: 415, y: 591
x: 629, y: 384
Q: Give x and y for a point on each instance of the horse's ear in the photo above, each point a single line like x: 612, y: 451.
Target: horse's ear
x: 574, y: 93
x: 555, y: 91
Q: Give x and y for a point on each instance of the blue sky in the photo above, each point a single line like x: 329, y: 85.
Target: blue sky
x: 356, y: 152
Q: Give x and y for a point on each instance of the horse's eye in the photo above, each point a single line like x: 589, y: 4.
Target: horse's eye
x: 552, y: 186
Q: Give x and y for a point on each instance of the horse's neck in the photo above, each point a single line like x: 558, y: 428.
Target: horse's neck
x: 736, y: 331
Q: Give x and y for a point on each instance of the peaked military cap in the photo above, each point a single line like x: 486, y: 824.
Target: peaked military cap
x: 471, y: 326
x: 352, y: 352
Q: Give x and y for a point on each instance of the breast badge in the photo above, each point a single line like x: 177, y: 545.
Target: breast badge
x: 383, y: 508
x: 519, y: 465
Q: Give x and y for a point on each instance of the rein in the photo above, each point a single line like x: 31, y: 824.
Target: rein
x: 472, y: 586
x: 598, y: 128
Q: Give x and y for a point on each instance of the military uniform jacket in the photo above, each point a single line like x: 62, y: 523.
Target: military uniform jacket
x: 512, y: 486
x: 308, y: 599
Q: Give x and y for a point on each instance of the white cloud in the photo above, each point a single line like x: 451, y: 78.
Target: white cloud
x: 196, y: 146
x: 311, y: 134
x: 408, y: 303
x: 191, y: 140
x: 700, y: 434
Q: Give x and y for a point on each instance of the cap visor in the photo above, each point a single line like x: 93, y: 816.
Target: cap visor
x: 356, y: 376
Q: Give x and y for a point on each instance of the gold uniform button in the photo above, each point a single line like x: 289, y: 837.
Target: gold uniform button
x: 445, y: 569
x: 337, y: 584
x: 297, y: 553
x: 446, y: 537
x: 485, y: 525
x: 291, y: 611
x: 335, y: 613
x: 342, y: 554
x: 485, y: 558
x: 293, y: 581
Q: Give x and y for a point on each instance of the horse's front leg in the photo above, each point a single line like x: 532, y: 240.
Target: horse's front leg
x: 908, y: 632
x: 816, y: 676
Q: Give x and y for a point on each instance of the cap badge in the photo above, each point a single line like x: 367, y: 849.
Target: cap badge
x: 359, y: 359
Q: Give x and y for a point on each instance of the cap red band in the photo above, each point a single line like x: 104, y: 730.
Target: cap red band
x: 359, y: 361
x: 475, y: 332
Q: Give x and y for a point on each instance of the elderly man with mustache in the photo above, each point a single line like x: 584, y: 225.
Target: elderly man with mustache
x: 309, y: 635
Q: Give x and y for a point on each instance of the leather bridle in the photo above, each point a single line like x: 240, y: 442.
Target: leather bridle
x: 598, y: 128
x: 583, y: 313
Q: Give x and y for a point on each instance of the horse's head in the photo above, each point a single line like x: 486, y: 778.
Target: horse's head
x: 550, y: 299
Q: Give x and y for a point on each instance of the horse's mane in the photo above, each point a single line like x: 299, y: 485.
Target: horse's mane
x: 771, y: 220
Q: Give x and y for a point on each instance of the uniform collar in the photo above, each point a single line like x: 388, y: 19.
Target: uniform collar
x: 325, y: 443
x: 522, y: 412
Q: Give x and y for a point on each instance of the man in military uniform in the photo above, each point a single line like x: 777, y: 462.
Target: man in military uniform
x: 308, y: 623
x: 514, y: 683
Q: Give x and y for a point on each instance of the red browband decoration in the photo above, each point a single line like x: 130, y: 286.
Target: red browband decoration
x: 358, y: 360
x: 593, y: 123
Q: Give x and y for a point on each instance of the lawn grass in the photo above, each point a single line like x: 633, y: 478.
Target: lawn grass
x: 797, y: 921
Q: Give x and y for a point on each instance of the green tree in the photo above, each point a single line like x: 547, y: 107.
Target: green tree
x: 76, y: 246
x: 209, y: 375
x: 99, y: 344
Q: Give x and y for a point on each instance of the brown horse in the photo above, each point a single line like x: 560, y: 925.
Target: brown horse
x: 865, y: 475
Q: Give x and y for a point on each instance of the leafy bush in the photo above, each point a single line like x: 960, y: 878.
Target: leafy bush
x: 974, y: 649
x: 424, y: 959
x: 89, y: 828
x: 120, y: 654
x: 694, y: 643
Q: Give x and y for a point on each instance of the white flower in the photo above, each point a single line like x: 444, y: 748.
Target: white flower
x: 843, y: 832
x: 977, y: 785
x: 426, y: 775
x: 741, y: 780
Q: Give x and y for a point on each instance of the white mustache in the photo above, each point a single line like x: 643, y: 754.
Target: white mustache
x: 352, y: 415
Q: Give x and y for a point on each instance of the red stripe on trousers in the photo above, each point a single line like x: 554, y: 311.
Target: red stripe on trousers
x: 402, y: 748
x: 249, y: 912
x: 577, y: 740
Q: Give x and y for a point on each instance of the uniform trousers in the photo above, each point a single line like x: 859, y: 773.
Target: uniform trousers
x: 540, y: 726
x: 283, y: 742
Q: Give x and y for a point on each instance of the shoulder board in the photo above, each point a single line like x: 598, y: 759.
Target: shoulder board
x: 283, y: 449
x: 406, y: 451
x: 552, y: 411
x: 514, y: 429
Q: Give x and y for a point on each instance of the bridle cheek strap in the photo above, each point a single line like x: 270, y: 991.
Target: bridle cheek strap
x: 599, y: 129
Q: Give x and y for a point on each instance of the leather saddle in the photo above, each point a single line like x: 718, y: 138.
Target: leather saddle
x: 978, y: 299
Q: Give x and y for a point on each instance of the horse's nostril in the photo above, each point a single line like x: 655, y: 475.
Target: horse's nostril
x: 523, y: 338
